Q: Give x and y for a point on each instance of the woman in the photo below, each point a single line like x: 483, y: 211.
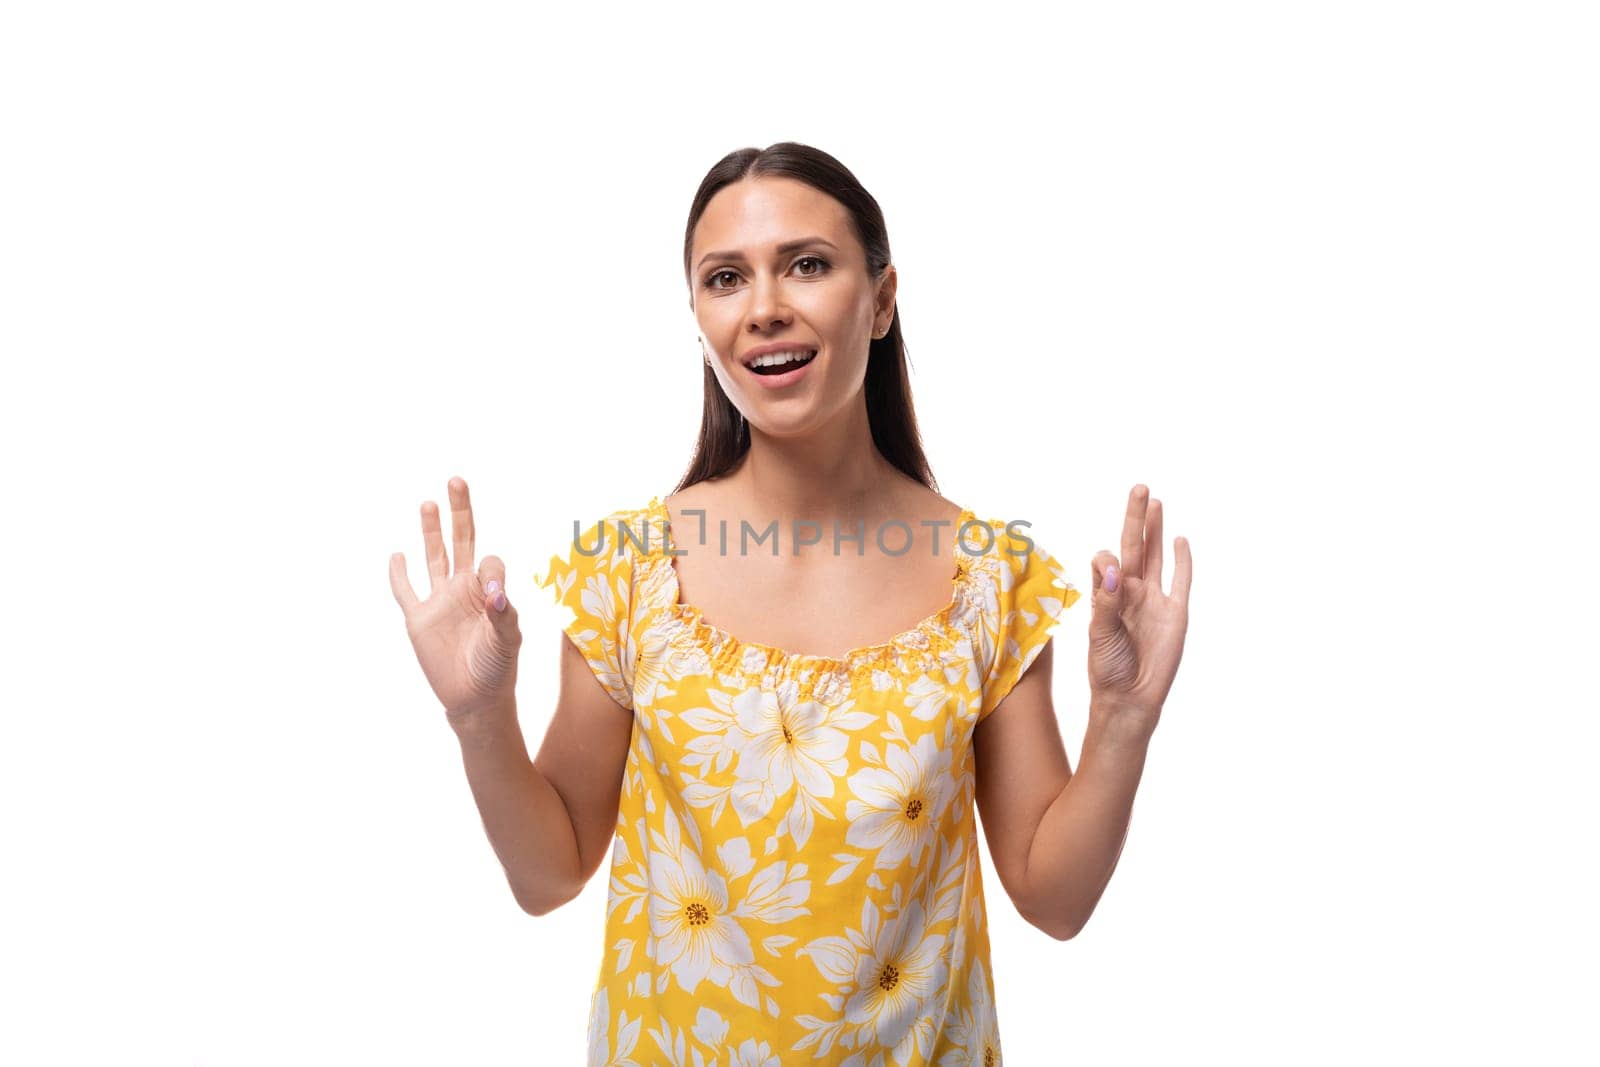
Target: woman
x: 788, y: 797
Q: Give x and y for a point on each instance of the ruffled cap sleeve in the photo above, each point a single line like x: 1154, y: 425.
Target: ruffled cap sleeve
x: 594, y: 578
x: 1030, y: 592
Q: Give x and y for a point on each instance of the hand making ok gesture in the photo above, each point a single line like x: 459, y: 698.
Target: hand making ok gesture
x: 1136, y: 634
x: 465, y: 634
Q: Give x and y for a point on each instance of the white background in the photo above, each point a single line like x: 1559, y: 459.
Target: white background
x: 1322, y: 276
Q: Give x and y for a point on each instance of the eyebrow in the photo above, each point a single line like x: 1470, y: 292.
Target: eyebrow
x: 787, y: 246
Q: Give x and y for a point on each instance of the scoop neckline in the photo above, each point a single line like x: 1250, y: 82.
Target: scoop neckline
x: 937, y: 622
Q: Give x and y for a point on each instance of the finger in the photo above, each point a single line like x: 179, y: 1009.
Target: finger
x: 1107, y: 603
x: 491, y: 570
x: 1182, y: 571
x: 433, y: 545
x: 400, y: 584
x: 507, y: 632
x: 1152, y: 546
x: 1133, y: 533
x: 497, y: 605
x: 461, y: 525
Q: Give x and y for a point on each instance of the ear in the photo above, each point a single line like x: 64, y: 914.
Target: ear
x: 884, y: 302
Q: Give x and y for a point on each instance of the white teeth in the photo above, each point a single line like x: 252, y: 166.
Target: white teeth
x: 772, y: 359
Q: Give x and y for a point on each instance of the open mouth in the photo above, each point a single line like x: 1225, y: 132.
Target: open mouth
x: 782, y: 362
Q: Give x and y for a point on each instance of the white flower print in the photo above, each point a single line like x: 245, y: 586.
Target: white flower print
x: 751, y: 1054
x: 984, y: 1038
x: 660, y: 663
x: 776, y: 894
x: 676, y: 1050
x: 926, y: 697
x: 896, y: 970
x: 787, y: 741
x: 974, y: 1035
x: 695, y: 934
x: 710, y: 1028
x: 783, y: 746
x: 716, y: 743
x: 710, y: 1031
x: 959, y: 666
x: 992, y: 642
x: 903, y: 970
x: 897, y: 807
x: 600, y: 597
x: 600, y: 1024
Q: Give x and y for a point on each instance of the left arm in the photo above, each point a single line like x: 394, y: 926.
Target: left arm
x: 1056, y: 836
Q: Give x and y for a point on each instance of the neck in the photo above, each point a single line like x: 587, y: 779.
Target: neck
x: 833, y: 472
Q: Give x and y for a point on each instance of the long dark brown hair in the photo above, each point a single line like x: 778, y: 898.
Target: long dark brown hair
x: 724, y: 434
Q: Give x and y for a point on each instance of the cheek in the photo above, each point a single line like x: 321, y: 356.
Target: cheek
x: 721, y: 333
x: 835, y: 309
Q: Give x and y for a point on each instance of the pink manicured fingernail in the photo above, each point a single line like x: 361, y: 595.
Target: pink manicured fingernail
x: 1111, y: 578
x: 500, y: 602
x: 493, y: 587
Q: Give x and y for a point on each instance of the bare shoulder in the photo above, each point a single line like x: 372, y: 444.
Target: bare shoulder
x: 701, y: 496
x: 921, y: 504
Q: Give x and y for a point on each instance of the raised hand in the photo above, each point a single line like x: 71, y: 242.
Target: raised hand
x: 465, y: 634
x: 1136, y: 634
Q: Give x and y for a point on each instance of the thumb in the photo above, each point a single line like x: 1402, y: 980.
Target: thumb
x: 496, y: 604
x: 1108, y: 586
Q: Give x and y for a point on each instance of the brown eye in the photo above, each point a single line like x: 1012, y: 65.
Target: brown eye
x: 821, y: 263
x: 711, y: 282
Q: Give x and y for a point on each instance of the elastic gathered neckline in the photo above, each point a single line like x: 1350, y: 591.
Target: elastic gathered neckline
x: 920, y: 646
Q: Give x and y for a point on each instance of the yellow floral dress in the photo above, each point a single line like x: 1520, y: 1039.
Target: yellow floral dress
x: 795, y: 873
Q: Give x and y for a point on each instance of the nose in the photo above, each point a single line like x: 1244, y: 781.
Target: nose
x: 767, y: 308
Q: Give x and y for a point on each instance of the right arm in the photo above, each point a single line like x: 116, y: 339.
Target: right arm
x: 550, y: 819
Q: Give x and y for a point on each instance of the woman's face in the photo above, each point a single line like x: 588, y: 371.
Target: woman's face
x: 775, y: 262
